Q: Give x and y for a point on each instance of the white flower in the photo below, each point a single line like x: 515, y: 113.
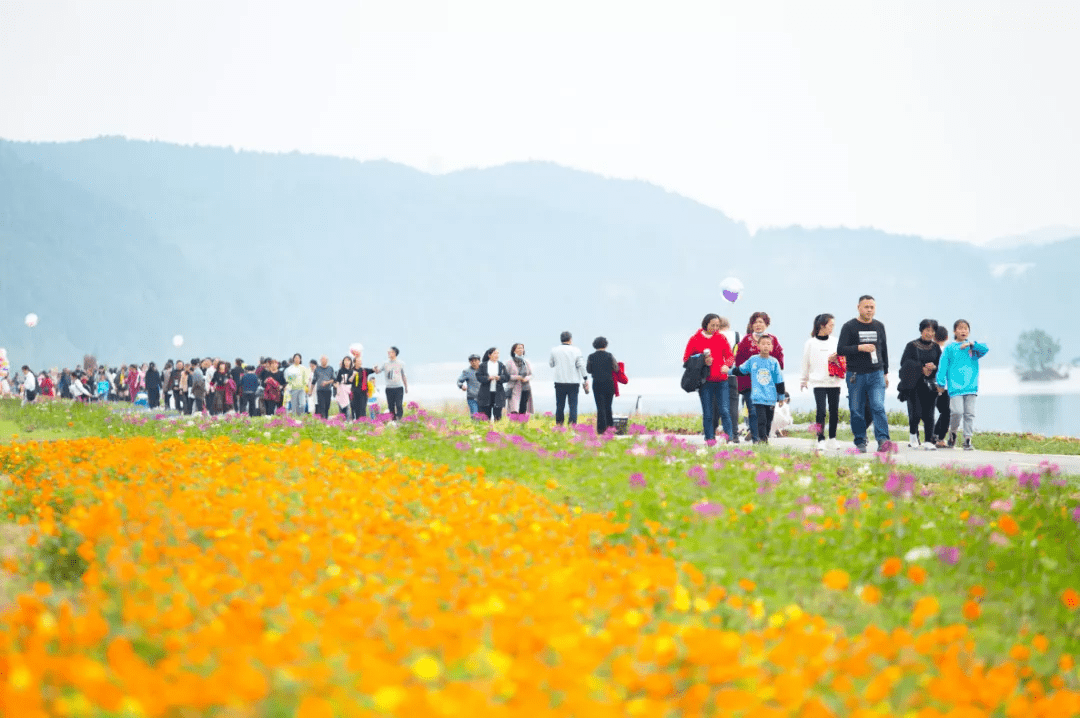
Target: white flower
x: 864, y: 469
x: 919, y: 553
x: 929, y: 525
x: 266, y: 434
x: 804, y: 480
x: 778, y: 469
x: 700, y: 452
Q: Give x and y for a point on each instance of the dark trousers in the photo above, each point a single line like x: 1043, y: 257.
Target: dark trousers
x: 832, y: 397
x: 395, y: 396
x: 358, y: 403
x: 604, y: 394
x: 322, y: 403
x: 269, y: 407
x: 197, y: 403
x: 189, y: 402
x: 491, y: 410
x: 764, y: 420
x: 153, y: 397
x: 247, y: 400
x: 920, y: 407
x: 566, y: 393
x: 523, y: 405
x: 944, y: 414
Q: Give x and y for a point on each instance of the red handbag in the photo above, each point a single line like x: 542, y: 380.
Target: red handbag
x: 838, y: 367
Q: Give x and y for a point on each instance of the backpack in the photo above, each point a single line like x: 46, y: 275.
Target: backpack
x: 174, y: 380
x: 695, y: 373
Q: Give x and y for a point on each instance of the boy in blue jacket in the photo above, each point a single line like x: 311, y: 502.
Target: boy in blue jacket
x: 958, y: 374
x: 766, y: 385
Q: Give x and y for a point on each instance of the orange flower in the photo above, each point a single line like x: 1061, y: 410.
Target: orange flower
x: 836, y: 579
x: 1040, y: 643
x: 1071, y: 599
x: 891, y: 567
x: 971, y: 610
x: 747, y: 585
x: 870, y: 595
x: 977, y: 591
x: 926, y: 607
x: 917, y: 575
x: 1008, y: 526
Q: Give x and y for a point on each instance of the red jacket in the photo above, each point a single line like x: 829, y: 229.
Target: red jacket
x: 748, y: 348
x: 619, y: 375
x: 721, y: 353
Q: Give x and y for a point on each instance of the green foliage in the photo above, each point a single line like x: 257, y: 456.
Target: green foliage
x: 1035, y: 351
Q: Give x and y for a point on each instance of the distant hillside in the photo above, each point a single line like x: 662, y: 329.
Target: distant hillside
x: 249, y: 253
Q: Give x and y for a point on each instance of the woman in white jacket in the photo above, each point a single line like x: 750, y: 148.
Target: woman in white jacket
x: 819, y: 354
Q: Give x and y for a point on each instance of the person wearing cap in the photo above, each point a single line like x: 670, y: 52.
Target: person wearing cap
x: 469, y: 384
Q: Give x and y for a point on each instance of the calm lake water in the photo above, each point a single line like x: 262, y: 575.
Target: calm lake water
x: 1004, y: 404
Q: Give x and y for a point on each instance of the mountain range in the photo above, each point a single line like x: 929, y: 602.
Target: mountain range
x: 118, y: 245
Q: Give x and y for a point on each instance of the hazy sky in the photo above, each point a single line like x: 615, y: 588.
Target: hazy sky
x: 934, y: 117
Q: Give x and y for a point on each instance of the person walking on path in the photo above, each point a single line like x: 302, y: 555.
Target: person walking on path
x: 733, y: 338
x: 766, y: 385
x: 397, y: 384
x: 298, y: 384
x: 918, y: 382
x: 941, y: 428
x: 519, y: 399
x: 153, y: 386
x: 715, y: 407
x: 862, y: 342
x: 959, y: 375
x: 756, y: 328
x: 492, y: 375
x: 602, y: 365
x: 468, y: 383
x: 569, y: 366
x: 823, y: 372
x: 323, y: 380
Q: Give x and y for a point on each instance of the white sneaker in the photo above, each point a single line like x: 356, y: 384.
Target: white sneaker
x: 913, y: 442
x: 930, y: 446
x: 821, y: 446
x: 831, y: 444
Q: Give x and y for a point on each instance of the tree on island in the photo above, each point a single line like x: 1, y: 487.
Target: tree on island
x: 1035, y: 352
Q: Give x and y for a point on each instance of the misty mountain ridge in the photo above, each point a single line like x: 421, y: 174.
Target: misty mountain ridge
x: 248, y: 253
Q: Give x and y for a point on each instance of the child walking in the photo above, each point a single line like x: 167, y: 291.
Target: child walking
x: 823, y: 371
x: 959, y: 375
x: 766, y: 385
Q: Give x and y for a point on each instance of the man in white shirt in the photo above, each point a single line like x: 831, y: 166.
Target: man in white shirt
x: 569, y: 366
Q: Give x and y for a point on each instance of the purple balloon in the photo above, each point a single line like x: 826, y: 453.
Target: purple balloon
x: 730, y: 295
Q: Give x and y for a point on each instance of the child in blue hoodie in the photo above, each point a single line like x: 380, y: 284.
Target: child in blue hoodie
x: 958, y: 374
x: 766, y: 385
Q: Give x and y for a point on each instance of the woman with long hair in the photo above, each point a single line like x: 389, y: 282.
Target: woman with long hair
x: 492, y: 375
x: 519, y: 394
x: 822, y: 371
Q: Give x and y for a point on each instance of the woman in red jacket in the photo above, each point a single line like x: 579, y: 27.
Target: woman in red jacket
x: 755, y: 328
x: 714, y: 392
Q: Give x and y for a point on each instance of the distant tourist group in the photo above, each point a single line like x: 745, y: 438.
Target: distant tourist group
x: 215, y: 386
x: 935, y: 375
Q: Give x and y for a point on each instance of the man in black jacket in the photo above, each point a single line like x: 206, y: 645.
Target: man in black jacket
x: 862, y: 341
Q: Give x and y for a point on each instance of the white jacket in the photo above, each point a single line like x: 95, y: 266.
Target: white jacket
x: 568, y: 363
x: 815, y: 363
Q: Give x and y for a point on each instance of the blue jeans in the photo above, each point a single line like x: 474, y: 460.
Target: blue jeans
x: 714, y: 400
x: 866, y: 389
x: 566, y: 393
x: 474, y: 408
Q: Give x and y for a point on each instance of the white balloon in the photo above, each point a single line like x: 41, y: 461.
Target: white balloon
x: 730, y: 288
x: 31, y: 320
x: 356, y: 349
x: 178, y: 340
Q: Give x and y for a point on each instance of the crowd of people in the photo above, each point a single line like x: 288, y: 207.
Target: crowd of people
x: 936, y: 375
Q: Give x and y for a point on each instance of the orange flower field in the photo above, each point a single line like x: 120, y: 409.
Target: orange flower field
x: 214, y: 578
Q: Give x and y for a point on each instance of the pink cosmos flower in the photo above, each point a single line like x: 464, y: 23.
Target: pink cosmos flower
x: 708, y: 508
x: 948, y: 554
x: 1001, y: 505
x: 637, y: 481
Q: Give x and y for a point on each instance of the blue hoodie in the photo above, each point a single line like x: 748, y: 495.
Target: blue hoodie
x: 959, y: 368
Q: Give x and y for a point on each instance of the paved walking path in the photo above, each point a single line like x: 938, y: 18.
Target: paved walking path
x: 1002, y: 461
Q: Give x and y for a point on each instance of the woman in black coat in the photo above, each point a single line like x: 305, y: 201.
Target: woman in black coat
x: 918, y: 371
x: 492, y: 375
x: 602, y: 365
